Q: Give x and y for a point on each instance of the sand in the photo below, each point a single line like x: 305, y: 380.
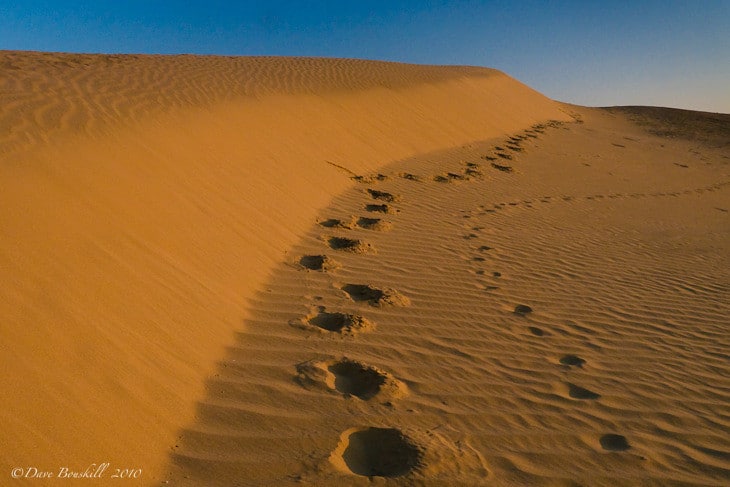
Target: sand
x: 272, y: 271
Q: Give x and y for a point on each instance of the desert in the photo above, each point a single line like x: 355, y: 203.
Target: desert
x: 230, y: 270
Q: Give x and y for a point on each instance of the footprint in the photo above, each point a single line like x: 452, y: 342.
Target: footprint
x: 455, y: 177
x: 374, y: 224
x: 319, y: 263
x: 572, y: 361
x: 380, y: 208
x: 335, y: 223
x: 375, y: 296
x: 578, y: 392
x: 370, y: 178
x: 505, y: 156
x: 377, y: 452
x: 538, y: 332
x: 350, y: 378
x: 522, y: 309
x: 382, y: 195
x: 502, y: 168
x: 614, y: 442
x: 350, y: 245
x: 409, y: 176
x: 342, y: 323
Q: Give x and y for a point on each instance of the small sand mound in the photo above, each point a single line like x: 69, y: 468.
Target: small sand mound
x: 375, y: 296
x: 377, y: 224
x: 381, y: 452
x: 350, y: 245
x: 319, y: 263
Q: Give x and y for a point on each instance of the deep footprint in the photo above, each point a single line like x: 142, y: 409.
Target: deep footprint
x: 382, y: 195
x: 572, y: 361
x: 357, y: 379
x: 522, y: 309
x: 578, y: 392
x: 377, y: 224
x: 381, y: 452
x: 342, y: 323
x: 614, y: 442
x: 335, y: 223
x: 318, y: 263
x: 349, y: 378
x: 350, y: 245
x: 375, y: 296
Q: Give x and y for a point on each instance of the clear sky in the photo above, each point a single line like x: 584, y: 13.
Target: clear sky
x: 590, y: 52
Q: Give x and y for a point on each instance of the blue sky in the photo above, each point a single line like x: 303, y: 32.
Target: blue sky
x: 590, y: 52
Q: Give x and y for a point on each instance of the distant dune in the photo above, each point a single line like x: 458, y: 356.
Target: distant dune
x: 270, y: 271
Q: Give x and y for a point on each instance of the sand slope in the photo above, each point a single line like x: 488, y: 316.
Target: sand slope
x: 145, y: 201
x: 547, y: 308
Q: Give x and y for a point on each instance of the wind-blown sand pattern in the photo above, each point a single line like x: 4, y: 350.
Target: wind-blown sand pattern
x: 272, y: 271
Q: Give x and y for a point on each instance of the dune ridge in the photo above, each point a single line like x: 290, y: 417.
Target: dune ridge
x: 146, y: 200
x: 54, y: 94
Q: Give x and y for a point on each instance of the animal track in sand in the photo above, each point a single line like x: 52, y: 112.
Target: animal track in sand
x: 319, y: 263
x: 597, y: 197
x: 377, y: 452
x: 370, y: 178
x: 572, y: 361
x: 374, y: 224
x: 375, y: 296
x: 538, y: 332
x: 614, y: 442
x: 383, y: 195
x: 380, y: 208
x: 350, y: 378
x: 449, y: 177
x: 578, y: 392
x: 409, y: 176
x: 350, y: 245
x: 342, y: 323
x: 502, y: 168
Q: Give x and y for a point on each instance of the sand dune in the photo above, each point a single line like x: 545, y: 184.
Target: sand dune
x: 263, y: 271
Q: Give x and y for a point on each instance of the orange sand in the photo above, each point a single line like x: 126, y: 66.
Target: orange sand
x: 157, y: 313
